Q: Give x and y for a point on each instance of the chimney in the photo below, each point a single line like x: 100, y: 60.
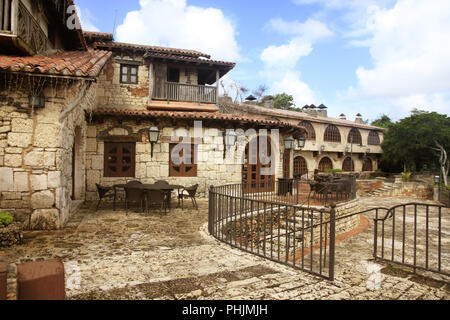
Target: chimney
x: 342, y: 117
x: 359, y: 118
x: 322, y: 112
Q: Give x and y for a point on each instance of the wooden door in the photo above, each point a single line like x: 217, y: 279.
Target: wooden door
x: 287, y: 164
x: 159, y: 91
x: 120, y: 159
x: 257, y: 175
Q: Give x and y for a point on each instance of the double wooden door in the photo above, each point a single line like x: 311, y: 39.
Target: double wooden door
x: 258, y: 170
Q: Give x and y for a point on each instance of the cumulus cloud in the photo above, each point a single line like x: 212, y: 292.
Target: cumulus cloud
x: 410, y: 49
x: 173, y: 23
x: 280, y: 61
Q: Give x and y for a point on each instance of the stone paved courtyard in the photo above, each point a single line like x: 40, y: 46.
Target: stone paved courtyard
x: 108, y: 255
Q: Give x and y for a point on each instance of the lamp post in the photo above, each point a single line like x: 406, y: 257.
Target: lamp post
x: 301, y: 142
x: 289, y: 143
x: 153, y: 136
x: 230, y: 138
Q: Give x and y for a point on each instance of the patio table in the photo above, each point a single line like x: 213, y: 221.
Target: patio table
x: 167, y: 188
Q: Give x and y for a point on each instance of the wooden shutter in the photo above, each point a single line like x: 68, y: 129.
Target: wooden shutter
x: 120, y: 159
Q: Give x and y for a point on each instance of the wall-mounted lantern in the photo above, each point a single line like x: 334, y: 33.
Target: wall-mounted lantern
x: 230, y: 138
x: 322, y: 148
x: 37, y: 101
x: 300, y: 142
x: 368, y: 150
x: 437, y: 179
x: 153, y: 136
x: 289, y: 143
x: 347, y: 149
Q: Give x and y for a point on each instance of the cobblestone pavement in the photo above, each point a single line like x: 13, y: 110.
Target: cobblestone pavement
x: 108, y: 255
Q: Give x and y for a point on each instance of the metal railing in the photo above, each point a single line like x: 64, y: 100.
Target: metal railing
x: 412, y: 235
x: 188, y: 93
x: 300, y: 237
x: 5, y: 15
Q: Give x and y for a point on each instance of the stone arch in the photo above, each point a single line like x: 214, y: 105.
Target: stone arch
x: 300, y: 167
x: 348, y: 165
x: 325, y: 164
x: 367, y: 165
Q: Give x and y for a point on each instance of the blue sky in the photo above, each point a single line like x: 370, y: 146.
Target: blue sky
x: 355, y: 56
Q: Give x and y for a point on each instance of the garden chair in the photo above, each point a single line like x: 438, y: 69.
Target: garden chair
x: 103, y: 192
x: 190, y: 192
x: 157, y: 197
x: 134, y: 195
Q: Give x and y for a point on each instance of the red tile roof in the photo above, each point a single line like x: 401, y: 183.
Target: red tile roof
x: 122, y: 45
x: 72, y: 63
x: 189, y: 59
x: 192, y: 116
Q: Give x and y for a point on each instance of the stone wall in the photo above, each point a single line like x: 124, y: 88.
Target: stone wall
x: 113, y: 94
x: 212, y: 168
x: 36, y: 152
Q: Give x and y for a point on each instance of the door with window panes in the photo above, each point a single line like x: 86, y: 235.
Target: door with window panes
x: 120, y: 159
x: 257, y: 174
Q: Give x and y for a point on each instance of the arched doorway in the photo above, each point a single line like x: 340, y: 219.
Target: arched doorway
x: 325, y: 164
x: 348, y: 165
x: 258, y: 170
x: 300, y: 167
x: 367, y: 165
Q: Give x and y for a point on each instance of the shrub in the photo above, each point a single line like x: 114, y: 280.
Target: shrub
x: 5, y: 219
x: 406, y: 176
x: 335, y: 171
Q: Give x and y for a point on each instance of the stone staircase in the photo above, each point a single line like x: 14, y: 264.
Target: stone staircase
x: 385, y: 191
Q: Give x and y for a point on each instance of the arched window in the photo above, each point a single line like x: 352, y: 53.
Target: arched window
x: 374, y: 139
x: 367, y: 165
x: 300, y: 167
x: 325, y: 164
x: 348, y: 165
x: 332, y: 134
x: 310, y: 129
x: 354, y: 136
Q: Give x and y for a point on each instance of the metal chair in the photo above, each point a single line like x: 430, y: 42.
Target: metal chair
x: 162, y: 182
x: 103, y: 193
x: 134, y: 195
x: 133, y: 182
x: 190, y: 193
x: 157, y: 197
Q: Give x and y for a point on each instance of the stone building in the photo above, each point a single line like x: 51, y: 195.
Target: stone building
x: 351, y: 146
x: 78, y: 109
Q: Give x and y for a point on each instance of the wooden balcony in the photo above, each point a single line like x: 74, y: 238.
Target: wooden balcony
x: 180, y: 92
x: 20, y: 32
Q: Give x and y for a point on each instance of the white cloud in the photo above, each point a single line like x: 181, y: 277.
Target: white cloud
x: 173, y: 23
x: 280, y: 61
x: 86, y: 19
x: 291, y: 84
x: 410, y: 49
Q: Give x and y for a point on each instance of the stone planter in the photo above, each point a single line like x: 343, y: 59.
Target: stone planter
x: 11, y: 235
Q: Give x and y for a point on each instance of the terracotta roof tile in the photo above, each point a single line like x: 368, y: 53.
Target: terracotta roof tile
x: 300, y: 116
x: 184, y: 52
x: 72, y: 63
x: 192, y: 116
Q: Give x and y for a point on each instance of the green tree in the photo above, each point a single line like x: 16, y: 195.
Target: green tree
x: 283, y: 101
x: 408, y: 144
x: 383, y: 122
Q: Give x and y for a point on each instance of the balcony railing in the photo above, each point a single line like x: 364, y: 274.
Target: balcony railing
x: 29, y: 31
x: 187, y: 93
x: 5, y: 15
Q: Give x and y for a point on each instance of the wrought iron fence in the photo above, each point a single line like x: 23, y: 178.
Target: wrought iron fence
x: 303, y: 238
x: 413, y: 235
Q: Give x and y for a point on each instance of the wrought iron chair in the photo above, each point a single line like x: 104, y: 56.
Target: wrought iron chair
x: 103, y: 193
x: 134, y: 195
x: 157, y: 197
x: 162, y: 182
x: 190, y: 192
x: 133, y: 182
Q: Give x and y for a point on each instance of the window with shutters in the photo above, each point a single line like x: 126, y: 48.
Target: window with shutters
x: 310, y: 129
x: 374, y: 138
x: 183, y: 160
x: 120, y: 159
x: 129, y: 74
x: 354, y: 137
x: 332, y: 134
